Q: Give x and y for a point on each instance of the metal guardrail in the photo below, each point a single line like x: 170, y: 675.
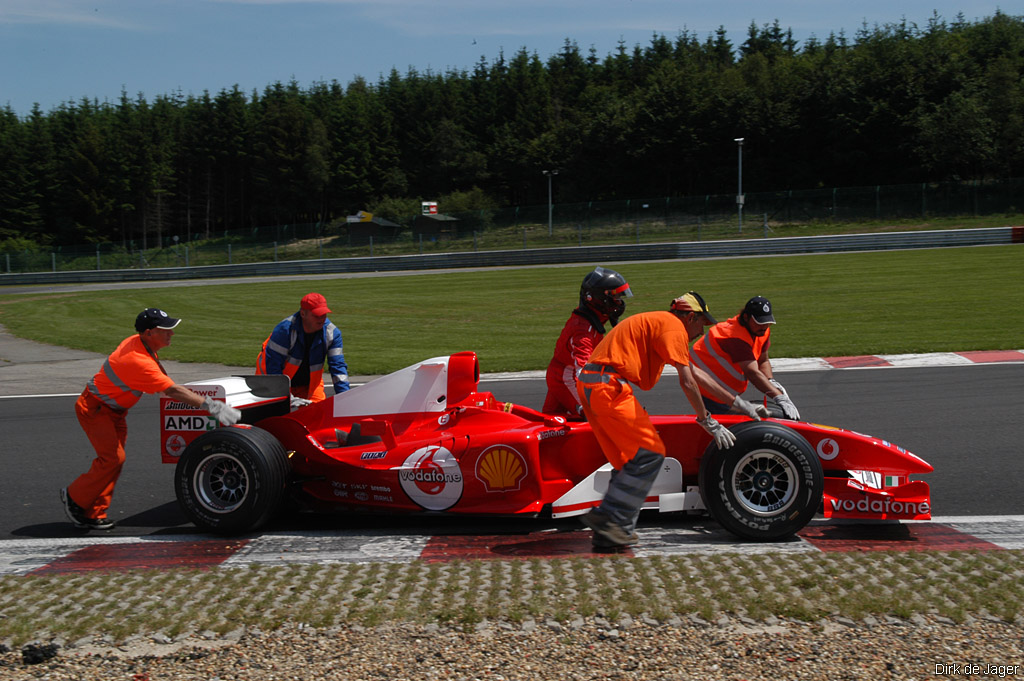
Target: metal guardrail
x: 547, y: 256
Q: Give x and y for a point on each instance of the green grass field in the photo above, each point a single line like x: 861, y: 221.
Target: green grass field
x: 827, y: 305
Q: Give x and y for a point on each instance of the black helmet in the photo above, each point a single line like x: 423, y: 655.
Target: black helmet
x: 603, y: 291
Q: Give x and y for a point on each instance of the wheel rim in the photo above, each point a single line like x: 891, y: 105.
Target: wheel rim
x: 764, y: 482
x: 221, y: 483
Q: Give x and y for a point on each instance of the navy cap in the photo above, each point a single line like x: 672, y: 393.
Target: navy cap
x: 152, y: 318
x: 760, y: 310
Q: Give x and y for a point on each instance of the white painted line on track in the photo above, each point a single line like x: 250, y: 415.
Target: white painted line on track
x: 22, y: 556
x: 324, y: 549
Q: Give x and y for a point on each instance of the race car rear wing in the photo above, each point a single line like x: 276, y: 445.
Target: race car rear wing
x: 258, y: 397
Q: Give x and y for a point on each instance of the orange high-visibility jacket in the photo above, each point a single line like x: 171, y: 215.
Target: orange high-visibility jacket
x: 723, y: 348
x: 129, y: 372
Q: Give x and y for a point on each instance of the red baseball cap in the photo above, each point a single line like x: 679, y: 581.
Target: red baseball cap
x: 315, y: 303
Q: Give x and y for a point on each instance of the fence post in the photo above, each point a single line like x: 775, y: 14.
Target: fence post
x: 700, y: 224
x: 97, y: 257
x: 371, y: 248
x: 8, y: 262
x: 474, y: 240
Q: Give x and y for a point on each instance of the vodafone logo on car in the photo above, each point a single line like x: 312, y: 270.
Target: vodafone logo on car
x: 432, y: 478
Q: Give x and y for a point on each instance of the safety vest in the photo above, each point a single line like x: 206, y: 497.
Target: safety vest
x: 293, y: 356
x: 128, y: 373
x: 710, y: 355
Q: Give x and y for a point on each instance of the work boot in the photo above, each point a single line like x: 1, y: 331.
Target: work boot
x: 606, y: 533
x: 77, y: 515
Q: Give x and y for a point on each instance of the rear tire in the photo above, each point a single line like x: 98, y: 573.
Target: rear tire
x: 767, y: 486
x: 232, y: 480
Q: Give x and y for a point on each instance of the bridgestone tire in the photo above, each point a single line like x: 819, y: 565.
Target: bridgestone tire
x: 232, y: 480
x: 767, y: 486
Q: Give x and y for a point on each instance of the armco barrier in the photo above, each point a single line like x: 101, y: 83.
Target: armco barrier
x: 547, y: 256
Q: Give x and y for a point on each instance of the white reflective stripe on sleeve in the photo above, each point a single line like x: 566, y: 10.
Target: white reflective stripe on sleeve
x: 279, y: 349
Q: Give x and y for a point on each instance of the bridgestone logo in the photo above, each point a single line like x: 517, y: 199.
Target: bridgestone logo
x: 772, y: 439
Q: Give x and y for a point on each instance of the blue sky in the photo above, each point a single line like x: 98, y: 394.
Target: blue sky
x: 53, y: 51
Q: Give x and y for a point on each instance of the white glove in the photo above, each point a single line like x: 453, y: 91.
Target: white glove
x: 789, y: 409
x: 299, y: 402
x: 754, y: 411
x: 228, y: 416
x: 723, y: 436
x: 778, y: 385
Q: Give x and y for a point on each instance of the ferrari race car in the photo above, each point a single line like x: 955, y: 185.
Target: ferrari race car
x: 425, y: 439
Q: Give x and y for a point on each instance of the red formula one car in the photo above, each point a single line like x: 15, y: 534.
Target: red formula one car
x: 425, y: 439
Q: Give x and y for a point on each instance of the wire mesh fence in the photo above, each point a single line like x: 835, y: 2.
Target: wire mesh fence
x: 650, y: 220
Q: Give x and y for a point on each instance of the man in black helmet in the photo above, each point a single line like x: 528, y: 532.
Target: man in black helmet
x: 602, y: 300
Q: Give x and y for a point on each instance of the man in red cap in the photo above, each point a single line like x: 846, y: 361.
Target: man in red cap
x: 299, y: 346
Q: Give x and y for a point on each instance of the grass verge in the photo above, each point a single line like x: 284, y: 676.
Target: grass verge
x: 827, y: 305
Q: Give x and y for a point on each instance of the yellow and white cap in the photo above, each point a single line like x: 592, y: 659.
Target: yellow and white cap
x: 692, y: 302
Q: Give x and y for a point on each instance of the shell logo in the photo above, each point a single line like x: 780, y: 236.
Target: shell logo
x: 501, y: 469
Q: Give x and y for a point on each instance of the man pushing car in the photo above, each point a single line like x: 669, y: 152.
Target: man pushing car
x: 735, y: 351
x: 132, y: 370
x: 636, y: 351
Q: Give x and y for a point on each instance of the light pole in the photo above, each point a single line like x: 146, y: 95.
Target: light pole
x: 739, y: 191
x: 549, y: 173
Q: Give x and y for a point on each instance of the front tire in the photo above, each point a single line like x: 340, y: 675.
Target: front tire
x: 767, y: 486
x: 232, y: 480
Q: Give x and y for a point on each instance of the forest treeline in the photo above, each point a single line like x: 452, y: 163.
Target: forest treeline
x: 892, y: 104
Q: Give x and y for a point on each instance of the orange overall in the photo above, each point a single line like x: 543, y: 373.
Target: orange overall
x: 637, y: 351
x: 129, y: 371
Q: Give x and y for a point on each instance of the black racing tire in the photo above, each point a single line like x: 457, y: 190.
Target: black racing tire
x: 232, y: 480
x: 767, y: 486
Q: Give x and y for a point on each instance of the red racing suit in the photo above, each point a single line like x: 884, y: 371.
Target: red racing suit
x: 580, y: 335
